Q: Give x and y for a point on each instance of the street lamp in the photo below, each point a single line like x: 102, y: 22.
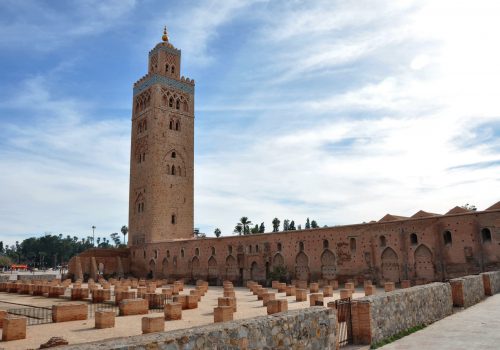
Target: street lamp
x: 93, y: 236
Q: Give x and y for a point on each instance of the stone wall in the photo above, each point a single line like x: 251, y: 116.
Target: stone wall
x: 491, y: 281
x: 4, y: 278
x: 312, y: 328
x: 467, y: 290
x: 379, y: 316
x: 45, y: 277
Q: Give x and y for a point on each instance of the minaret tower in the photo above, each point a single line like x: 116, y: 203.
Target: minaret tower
x: 162, y: 151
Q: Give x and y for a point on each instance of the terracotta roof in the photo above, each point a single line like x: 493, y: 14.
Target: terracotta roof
x: 390, y: 217
x: 423, y: 214
x: 495, y: 206
x: 457, y: 210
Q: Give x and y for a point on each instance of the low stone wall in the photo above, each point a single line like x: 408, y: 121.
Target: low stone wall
x: 491, y: 282
x: 4, y: 278
x: 45, y: 277
x: 467, y: 290
x: 377, y: 317
x: 312, y: 328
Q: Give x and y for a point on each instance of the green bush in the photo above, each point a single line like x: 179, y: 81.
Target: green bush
x: 397, y: 336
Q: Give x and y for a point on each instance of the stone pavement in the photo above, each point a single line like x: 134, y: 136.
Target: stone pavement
x: 477, y: 327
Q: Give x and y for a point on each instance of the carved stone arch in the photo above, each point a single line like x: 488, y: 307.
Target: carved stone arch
x: 195, y: 268
x: 164, y: 267
x: 302, y: 267
x: 390, y: 265
x: 152, y: 268
x: 213, y: 271
x: 232, y: 273
x: 328, y: 265
x: 278, y: 260
x: 424, y: 263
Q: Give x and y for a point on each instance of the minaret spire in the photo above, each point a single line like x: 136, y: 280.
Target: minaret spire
x: 165, y: 35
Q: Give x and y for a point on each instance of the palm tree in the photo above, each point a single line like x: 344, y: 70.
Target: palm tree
x: 245, y: 225
x: 124, y: 230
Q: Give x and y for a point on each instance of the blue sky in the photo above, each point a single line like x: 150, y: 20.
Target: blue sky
x: 338, y: 111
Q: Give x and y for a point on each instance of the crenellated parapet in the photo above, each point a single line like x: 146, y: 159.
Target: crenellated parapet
x: 184, y: 84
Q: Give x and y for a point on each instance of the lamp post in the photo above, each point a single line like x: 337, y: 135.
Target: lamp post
x: 93, y: 236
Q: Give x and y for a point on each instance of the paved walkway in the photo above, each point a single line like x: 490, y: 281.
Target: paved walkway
x: 477, y: 327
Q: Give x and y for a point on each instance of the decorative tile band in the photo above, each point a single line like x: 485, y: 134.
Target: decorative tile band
x: 170, y: 50
x: 165, y: 81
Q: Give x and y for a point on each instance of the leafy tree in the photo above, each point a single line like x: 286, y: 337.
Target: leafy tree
x: 98, y: 241
x: 276, y: 225
x: 238, y: 229
x: 1, y: 247
x: 5, y: 261
x: 217, y: 232
x: 470, y: 207
x: 262, y: 228
x: 291, y: 227
x: 124, y: 231
x: 255, y: 229
x: 314, y: 224
x: 279, y: 273
x: 286, y: 224
x: 116, y: 239
x: 308, y: 224
x: 245, y: 224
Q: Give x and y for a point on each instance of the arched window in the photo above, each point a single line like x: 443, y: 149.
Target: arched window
x: 179, y: 171
x: 279, y: 247
x: 168, y: 253
x: 352, y: 245
x: 171, y: 102
x: 230, y: 249
x: 447, y: 238
x: 413, y: 239
x: 182, y: 252
x: 174, y: 219
x: 173, y: 155
x: 185, y: 106
x: 177, y: 125
x: 156, y: 254
x: 173, y: 169
x: 197, y: 252
x: 486, y: 235
x: 177, y: 104
x: 325, y: 244
x: 145, y: 125
x: 383, y: 243
x: 144, y: 254
x: 256, y: 248
x: 213, y: 250
x: 250, y: 249
x: 166, y: 68
x: 173, y: 70
x: 301, y: 246
x: 171, y: 125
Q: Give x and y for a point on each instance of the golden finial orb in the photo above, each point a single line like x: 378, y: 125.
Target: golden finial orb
x: 165, y: 35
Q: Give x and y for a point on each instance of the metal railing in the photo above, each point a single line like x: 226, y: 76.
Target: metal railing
x: 34, y: 315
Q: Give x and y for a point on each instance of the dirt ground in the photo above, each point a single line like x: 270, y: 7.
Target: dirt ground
x: 83, y: 331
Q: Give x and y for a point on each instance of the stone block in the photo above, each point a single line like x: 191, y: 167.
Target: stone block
x: 367, y: 283
x: 151, y: 288
x: 230, y: 294
x: 155, y: 301
x: 300, y: 294
x: 370, y: 290
x: 277, y: 305
x: 345, y: 293
x: 349, y: 285
x: 104, y: 319
x: 389, y: 286
x: 301, y: 284
x: 56, y: 291
x: 274, y: 284
x: 467, y: 291
x: 69, y: 312
x: 3, y: 315
x: 266, y: 297
x: 173, y: 311
x: 281, y: 287
x: 314, y: 298
x: 260, y: 292
x: 334, y: 284
x: 181, y: 299
x: 192, y: 301
x: 153, y: 324
x: 223, y: 314
x: 314, y: 287
x: 290, y: 291
x: 227, y: 302
x: 14, y: 328
x: 119, y: 296
x: 79, y: 293
x: 133, y: 307
x: 491, y: 282
x: 405, y: 284
x: 327, y: 291
x: 167, y: 292
x: 101, y: 295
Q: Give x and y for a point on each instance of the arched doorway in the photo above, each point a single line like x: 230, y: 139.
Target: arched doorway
x: 213, y: 272
x: 100, y: 268
x: 152, y: 269
x: 328, y: 266
x: 302, y: 267
x: 390, y: 265
x: 195, y: 268
x: 164, y: 267
x: 278, y: 260
x: 254, y: 272
x: 424, y: 266
x: 231, y: 268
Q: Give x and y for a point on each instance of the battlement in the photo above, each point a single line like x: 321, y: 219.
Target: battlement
x: 167, y: 47
x: 184, y: 84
